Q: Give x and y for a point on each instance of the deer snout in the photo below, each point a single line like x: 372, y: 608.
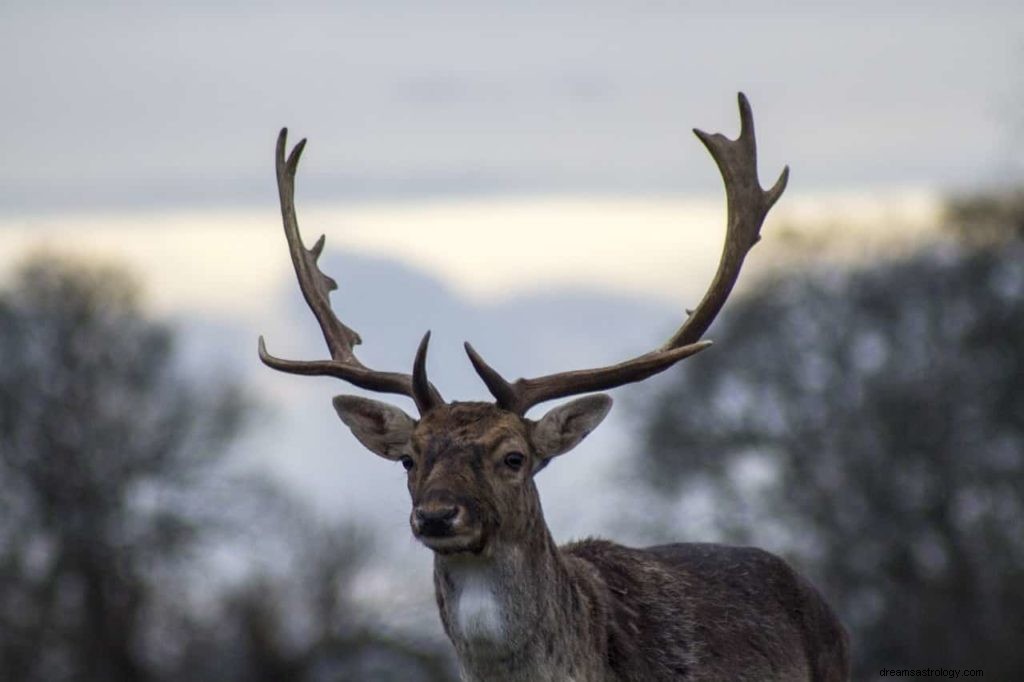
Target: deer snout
x: 436, y: 519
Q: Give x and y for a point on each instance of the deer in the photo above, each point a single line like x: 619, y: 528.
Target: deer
x: 518, y: 607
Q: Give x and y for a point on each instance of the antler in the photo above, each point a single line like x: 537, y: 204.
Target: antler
x: 316, y: 288
x: 747, y: 205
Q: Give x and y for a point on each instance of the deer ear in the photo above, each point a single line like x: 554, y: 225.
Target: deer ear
x: 561, y: 429
x: 384, y: 429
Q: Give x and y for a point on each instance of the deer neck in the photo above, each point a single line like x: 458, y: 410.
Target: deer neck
x: 520, y: 612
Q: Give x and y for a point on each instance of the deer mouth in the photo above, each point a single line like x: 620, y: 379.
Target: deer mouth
x: 465, y: 542
x: 448, y: 526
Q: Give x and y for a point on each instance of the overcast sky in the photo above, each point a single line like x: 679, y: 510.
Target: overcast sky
x: 494, y: 150
x: 177, y: 104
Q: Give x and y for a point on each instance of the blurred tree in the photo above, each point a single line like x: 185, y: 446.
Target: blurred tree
x: 100, y: 439
x: 988, y: 218
x: 110, y: 483
x: 307, y: 625
x: 870, y: 424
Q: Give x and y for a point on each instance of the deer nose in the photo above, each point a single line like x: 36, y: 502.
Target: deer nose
x: 435, y: 519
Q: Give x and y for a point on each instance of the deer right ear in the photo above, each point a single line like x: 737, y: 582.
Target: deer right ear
x: 384, y: 429
x: 561, y: 429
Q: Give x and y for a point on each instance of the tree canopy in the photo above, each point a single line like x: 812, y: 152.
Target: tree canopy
x: 111, y: 484
x: 870, y: 424
x: 100, y: 438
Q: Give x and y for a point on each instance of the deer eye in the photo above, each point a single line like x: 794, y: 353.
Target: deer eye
x: 514, y: 460
x: 407, y: 462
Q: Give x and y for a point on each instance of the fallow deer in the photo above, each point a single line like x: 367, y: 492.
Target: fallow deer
x: 518, y: 607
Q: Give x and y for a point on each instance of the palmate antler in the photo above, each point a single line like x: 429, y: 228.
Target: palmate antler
x: 747, y: 206
x: 316, y: 288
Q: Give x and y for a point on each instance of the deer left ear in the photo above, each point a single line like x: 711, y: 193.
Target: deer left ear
x: 562, y: 429
x: 384, y: 429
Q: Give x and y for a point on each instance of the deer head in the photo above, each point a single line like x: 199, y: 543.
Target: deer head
x: 471, y: 464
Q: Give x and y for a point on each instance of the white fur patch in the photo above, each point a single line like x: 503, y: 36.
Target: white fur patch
x: 477, y: 611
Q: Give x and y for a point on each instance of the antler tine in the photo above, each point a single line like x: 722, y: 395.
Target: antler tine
x: 520, y: 396
x: 423, y: 392
x: 747, y: 205
x: 316, y: 288
x: 315, y: 285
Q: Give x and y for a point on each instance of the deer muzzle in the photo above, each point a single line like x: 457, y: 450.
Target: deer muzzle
x: 436, y: 519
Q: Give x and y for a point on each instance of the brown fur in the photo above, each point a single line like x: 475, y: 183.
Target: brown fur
x: 595, y: 611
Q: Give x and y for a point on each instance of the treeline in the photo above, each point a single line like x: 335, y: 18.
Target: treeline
x: 869, y: 424
x: 116, y: 506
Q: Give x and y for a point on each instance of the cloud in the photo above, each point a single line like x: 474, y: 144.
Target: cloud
x: 231, y: 261
x: 114, y: 104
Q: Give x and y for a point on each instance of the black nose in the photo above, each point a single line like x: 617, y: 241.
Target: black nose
x: 435, y: 519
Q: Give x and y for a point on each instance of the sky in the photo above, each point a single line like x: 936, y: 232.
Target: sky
x: 151, y: 103
x: 520, y: 174
x: 484, y: 142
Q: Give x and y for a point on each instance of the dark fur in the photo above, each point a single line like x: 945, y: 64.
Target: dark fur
x: 595, y: 611
x: 713, y: 612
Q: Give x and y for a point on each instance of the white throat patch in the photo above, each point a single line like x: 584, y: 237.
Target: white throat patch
x: 478, y: 612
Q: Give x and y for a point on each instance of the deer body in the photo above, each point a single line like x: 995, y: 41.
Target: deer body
x: 601, y: 612
x: 517, y: 607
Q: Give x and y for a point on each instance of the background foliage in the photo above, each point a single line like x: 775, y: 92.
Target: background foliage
x: 115, y: 494
x: 870, y: 424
